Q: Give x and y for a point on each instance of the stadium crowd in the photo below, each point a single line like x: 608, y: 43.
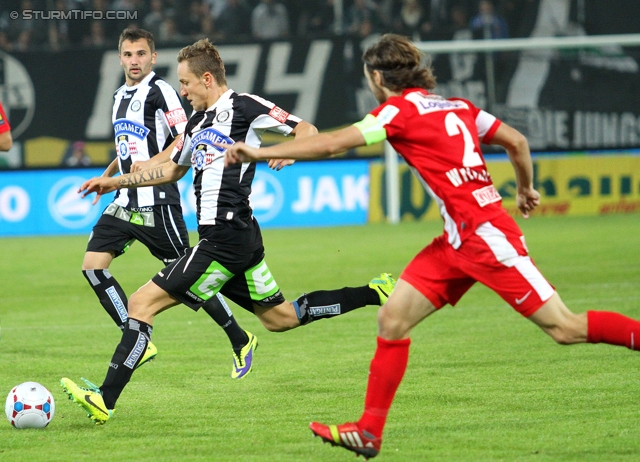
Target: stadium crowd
x: 30, y: 24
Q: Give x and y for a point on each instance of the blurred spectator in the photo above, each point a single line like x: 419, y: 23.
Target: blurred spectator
x: 269, y: 20
x: 410, y: 19
x: 77, y: 28
x: 460, y: 23
x: 197, y: 22
x: 169, y: 32
x: 362, y: 18
x: 438, y: 18
x: 216, y: 7
x: 75, y: 156
x: 153, y: 19
x: 5, y: 43
x: 59, y: 30
x: 319, y: 17
x: 232, y: 21
x: 97, y: 36
x: 487, y: 24
x: 23, y: 34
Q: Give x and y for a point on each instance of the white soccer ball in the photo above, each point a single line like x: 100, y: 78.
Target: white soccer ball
x: 29, y: 405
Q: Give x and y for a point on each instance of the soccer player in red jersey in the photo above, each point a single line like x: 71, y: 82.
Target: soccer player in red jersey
x: 440, y: 140
x: 6, y: 141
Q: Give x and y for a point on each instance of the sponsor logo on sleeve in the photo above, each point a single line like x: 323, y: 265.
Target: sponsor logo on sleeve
x: 279, y: 114
x: 175, y: 117
x: 387, y: 114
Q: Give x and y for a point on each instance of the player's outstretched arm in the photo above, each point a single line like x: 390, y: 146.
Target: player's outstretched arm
x: 169, y: 172
x: 160, y: 158
x: 313, y: 147
x: 302, y: 130
x: 519, y: 154
x: 6, y: 140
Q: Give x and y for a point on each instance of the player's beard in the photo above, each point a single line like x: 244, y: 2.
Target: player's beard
x: 140, y: 76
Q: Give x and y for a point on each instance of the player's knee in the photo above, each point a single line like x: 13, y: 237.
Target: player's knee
x: 136, y: 306
x: 391, y: 326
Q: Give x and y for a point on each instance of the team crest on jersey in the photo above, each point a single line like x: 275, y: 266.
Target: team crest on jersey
x: 222, y: 117
x: 136, y: 105
x: 129, y: 127
x: 2, y: 122
x: 123, y: 146
x: 199, y: 156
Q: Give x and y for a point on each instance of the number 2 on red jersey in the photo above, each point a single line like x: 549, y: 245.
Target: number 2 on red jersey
x: 455, y: 126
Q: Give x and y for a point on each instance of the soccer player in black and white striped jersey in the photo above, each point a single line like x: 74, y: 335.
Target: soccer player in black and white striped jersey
x: 147, y: 118
x: 229, y: 258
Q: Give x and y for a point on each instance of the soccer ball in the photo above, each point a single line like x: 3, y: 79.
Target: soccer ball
x: 29, y: 405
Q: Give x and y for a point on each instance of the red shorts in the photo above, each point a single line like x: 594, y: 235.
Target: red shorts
x: 495, y: 255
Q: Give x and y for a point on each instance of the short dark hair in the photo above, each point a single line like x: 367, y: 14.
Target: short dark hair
x: 134, y: 34
x: 400, y: 63
x: 203, y: 57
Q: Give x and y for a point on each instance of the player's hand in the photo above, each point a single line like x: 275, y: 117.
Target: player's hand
x: 99, y: 185
x: 527, y: 200
x: 140, y: 165
x: 278, y: 164
x: 238, y: 153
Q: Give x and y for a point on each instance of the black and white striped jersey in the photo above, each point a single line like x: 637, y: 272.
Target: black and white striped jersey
x: 222, y: 194
x: 146, y: 119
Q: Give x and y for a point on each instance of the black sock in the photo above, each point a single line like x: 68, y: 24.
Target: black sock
x: 129, y: 352
x: 329, y: 303
x: 111, y: 296
x: 219, y: 311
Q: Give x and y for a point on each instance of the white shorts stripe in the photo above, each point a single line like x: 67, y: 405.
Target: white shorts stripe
x: 504, y: 252
x: 533, y: 276
x: 507, y: 254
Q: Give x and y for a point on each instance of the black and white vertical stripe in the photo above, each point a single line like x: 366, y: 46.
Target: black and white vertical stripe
x: 144, y: 106
x: 223, y: 193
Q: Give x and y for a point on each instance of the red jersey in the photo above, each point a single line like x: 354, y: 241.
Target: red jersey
x: 4, y: 122
x: 439, y: 139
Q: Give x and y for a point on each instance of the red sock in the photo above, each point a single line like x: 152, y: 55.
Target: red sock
x: 613, y: 328
x: 385, y: 374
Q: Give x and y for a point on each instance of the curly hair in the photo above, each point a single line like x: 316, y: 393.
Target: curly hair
x: 203, y: 57
x: 399, y: 62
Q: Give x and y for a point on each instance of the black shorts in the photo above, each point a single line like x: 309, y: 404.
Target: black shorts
x: 160, y: 228
x: 238, y: 273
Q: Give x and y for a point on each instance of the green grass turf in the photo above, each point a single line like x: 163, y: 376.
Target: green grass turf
x: 482, y: 383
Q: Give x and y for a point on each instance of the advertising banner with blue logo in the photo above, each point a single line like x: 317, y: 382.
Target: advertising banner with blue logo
x: 328, y: 193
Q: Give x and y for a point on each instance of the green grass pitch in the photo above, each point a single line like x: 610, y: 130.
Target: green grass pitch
x: 483, y: 384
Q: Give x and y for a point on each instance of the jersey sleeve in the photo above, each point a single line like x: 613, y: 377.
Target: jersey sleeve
x: 486, y: 123
x: 169, y: 102
x: 381, y: 123
x: 4, y: 122
x: 181, y: 153
x: 264, y: 115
